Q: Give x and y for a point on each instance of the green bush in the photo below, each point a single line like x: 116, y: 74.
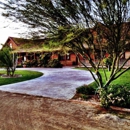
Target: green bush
x: 19, y: 65
x: 108, y: 62
x: 85, y: 97
x: 31, y: 63
x: 44, y: 60
x: 55, y: 63
x: 115, y: 95
x: 88, y: 90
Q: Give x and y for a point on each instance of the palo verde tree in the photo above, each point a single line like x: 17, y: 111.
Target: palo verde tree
x: 89, y: 28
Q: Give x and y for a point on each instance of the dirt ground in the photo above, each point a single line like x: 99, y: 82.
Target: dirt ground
x: 24, y: 112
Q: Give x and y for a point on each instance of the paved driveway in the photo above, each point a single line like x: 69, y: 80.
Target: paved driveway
x: 58, y: 83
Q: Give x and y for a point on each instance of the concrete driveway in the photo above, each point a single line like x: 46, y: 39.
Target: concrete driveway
x: 60, y: 83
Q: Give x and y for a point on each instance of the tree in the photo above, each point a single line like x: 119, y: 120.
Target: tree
x: 47, y: 15
x: 113, y: 16
x: 89, y: 28
x: 9, y: 60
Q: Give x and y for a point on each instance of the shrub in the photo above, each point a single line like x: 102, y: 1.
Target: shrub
x: 55, y: 63
x: 108, y: 62
x: 19, y: 65
x: 31, y: 63
x: 115, y: 95
x: 84, y: 96
x: 44, y: 59
x: 88, y: 90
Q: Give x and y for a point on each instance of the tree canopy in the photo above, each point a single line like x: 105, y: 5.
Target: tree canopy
x: 47, y: 15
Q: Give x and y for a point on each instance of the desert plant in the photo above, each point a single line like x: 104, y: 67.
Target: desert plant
x: 9, y: 60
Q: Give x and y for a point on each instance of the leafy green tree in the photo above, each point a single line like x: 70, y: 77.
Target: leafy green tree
x: 9, y: 60
x: 89, y: 28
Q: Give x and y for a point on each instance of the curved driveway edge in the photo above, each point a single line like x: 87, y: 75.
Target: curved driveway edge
x: 59, y: 83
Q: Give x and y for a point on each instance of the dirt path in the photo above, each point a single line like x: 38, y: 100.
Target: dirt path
x: 24, y: 112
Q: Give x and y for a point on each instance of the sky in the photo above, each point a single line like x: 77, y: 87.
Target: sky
x: 8, y: 28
